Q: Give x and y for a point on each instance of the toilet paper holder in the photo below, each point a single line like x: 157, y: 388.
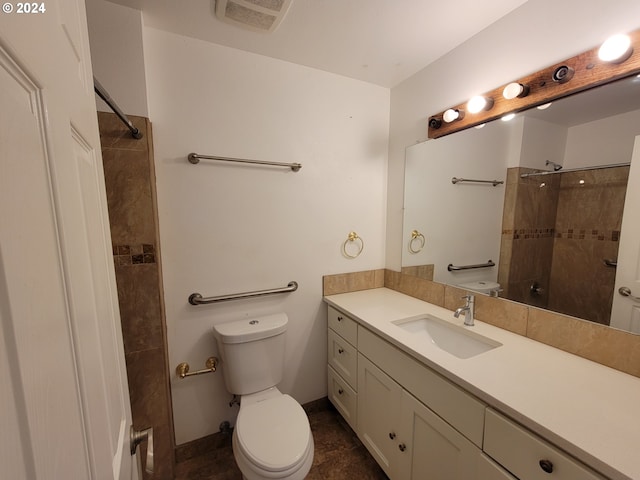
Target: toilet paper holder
x: 182, y: 370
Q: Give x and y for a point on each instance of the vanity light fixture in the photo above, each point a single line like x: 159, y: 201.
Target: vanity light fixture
x: 508, y: 117
x: 616, y: 49
x: 480, y: 126
x: 544, y: 107
x: 515, y: 90
x: 479, y: 103
x: 452, y: 115
x: 435, y: 123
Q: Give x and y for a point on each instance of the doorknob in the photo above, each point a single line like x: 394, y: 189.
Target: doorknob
x: 139, y: 436
x: 626, y: 292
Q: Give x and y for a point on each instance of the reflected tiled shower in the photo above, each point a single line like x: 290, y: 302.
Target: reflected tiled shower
x: 558, y: 230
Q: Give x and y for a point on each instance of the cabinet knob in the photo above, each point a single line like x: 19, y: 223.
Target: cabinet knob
x: 340, y: 391
x: 392, y: 435
x: 340, y: 350
x: 546, y: 465
x: 339, y: 319
x: 402, y: 447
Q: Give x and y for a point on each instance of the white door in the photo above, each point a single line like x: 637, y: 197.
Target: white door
x: 626, y: 309
x: 64, y: 402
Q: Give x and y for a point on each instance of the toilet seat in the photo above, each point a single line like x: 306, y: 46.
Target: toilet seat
x: 274, y: 434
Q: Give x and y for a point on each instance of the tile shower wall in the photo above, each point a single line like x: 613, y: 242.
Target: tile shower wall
x: 528, y: 224
x: 130, y: 185
x: 587, y: 232
x: 557, y: 232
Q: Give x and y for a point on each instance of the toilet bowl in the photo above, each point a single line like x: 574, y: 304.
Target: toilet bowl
x: 272, y: 438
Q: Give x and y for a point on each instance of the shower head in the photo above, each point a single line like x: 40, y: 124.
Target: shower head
x: 555, y: 165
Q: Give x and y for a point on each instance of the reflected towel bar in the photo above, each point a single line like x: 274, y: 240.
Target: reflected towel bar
x: 197, y: 299
x: 455, y: 180
x: 454, y: 268
x: 579, y: 169
x: 195, y: 158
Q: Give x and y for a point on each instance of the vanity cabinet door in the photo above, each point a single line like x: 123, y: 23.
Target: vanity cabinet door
x: 430, y: 448
x: 378, y: 411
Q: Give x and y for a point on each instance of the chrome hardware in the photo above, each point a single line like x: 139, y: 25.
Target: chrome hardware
x: 455, y: 180
x: 195, y: 158
x: 235, y: 400
x: 536, y: 289
x: 626, y: 292
x: 468, y: 310
x: 136, y: 437
x: 197, y: 299
x: 402, y: 447
x: 340, y: 391
x: 182, y: 370
x: 392, y: 435
x: 341, y: 351
x: 546, y: 465
x: 610, y: 263
x: 454, y: 268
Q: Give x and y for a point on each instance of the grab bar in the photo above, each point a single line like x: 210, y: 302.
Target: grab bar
x: 197, y: 299
x: 455, y: 180
x: 451, y: 267
x: 195, y: 158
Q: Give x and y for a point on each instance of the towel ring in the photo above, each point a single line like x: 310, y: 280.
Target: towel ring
x: 415, y: 234
x: 353, y: 236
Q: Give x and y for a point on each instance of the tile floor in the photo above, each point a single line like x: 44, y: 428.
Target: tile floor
x: 339, y: 454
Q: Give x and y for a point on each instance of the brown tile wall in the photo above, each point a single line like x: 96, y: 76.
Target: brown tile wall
x: 556, y: 234
x: 607, y: 346
x: 588, y: 222
x: 130, y: 184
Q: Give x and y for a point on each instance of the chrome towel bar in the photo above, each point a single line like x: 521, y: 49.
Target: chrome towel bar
x: 196, y: 157
x: 197, y: 299
x: 455, y: 180
x: 455, y: 268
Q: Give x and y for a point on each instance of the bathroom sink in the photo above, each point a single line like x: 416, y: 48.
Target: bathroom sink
x: 457, y: 340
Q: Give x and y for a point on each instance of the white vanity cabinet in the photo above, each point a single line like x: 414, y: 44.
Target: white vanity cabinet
x: 407, y: 439
x: 528, y: 456
x: 418, y: 424
x: 342, y: 371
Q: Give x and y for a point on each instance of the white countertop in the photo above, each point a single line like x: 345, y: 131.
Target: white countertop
x: 588, y: 410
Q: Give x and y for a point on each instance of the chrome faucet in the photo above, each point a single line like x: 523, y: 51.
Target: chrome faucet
x: 468, y: 310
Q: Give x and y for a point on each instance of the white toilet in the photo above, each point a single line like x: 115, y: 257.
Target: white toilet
x: 272, y: 438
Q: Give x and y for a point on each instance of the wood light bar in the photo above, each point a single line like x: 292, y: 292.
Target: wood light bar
x: 576, y: 74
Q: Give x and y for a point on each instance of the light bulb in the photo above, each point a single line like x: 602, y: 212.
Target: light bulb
x: 544, y: 107
x: 451, y: 115
x: 507, y: 117
x: 479, y: 103
x: 514, y: 90
x: 616, y: 49
x: 480, y: 126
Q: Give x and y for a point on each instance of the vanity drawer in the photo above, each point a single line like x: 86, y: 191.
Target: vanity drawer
x: 343, y: 397
x: 343, y: 325
x: 459, y: 409
x: 523, y: 453
x: 343, y: 357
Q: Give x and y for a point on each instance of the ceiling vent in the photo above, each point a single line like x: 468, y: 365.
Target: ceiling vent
x: 256, y: 15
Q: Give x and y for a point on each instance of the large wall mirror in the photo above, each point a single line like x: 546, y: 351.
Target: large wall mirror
x: 554, y: 209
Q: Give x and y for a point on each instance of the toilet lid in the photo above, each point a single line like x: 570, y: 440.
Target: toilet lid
x: 273, y: 433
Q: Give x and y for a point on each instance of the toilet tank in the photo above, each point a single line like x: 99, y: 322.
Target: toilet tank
x: 252, y: 352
